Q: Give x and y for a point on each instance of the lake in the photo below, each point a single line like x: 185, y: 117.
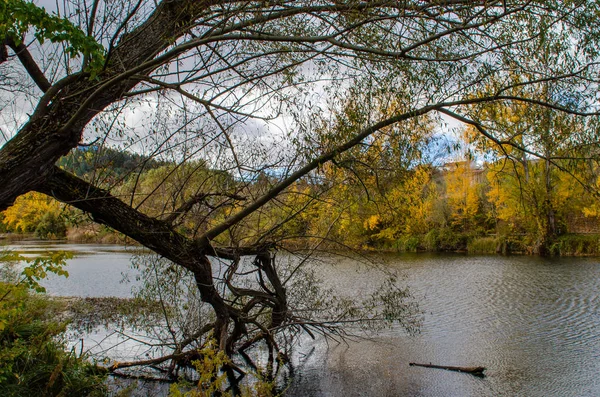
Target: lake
x: 533, y: 322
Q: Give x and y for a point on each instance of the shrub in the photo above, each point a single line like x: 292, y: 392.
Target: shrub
x: 51, y: 225
x: 483, y: 245
x: 431, y: 240
x: 33, y: 359
x: 408, y: 243
x: 450, y: 240
x: 576, y: 245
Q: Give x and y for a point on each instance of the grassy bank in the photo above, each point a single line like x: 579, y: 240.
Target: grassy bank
x: 434, y: 241
x: 577, y: 245
x: 34, y: 360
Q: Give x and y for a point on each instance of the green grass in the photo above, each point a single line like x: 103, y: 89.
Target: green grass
x: 577, y: 245
x: 483, y: 245
x: 33, y: 356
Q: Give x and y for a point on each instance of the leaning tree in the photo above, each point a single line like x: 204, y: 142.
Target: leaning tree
x: 260, y: 91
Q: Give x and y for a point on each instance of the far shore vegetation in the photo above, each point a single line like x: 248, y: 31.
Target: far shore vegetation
x: 463, y: 206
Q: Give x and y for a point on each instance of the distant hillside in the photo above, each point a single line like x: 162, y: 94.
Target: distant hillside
x: 112, y: 163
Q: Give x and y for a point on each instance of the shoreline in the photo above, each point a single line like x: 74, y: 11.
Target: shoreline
x: 568, y: 245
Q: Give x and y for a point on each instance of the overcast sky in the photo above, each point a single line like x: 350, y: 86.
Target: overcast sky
x: 137, y: 117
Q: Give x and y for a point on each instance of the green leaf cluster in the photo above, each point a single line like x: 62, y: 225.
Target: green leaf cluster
x: 38, y: 268
x: 33, y: 355
x: 19, y: 16
x: 33, y: 359
x: 213, y: 381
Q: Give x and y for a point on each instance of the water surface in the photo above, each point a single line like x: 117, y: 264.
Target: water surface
x: 533, y: 322
x: 96, y: 270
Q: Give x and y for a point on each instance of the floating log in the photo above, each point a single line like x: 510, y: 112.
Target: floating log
x: 477, y: 371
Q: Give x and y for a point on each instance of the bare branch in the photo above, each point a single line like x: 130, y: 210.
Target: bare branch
x: 29, y: 63
x: 197, y: 199
x: 210, y: 234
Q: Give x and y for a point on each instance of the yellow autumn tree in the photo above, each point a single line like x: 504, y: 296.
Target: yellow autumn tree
x: 463, y: 194
x: 532, y: 146
x: 409, y: 205
x: 35, y: 212
x: 519, y: 196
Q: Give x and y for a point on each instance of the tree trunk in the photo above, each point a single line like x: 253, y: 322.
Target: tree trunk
x: 152, y: 233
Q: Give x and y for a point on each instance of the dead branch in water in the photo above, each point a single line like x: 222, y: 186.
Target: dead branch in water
x: 477, y: 371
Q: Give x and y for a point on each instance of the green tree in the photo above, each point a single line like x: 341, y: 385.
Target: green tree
x: 463, y: 194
